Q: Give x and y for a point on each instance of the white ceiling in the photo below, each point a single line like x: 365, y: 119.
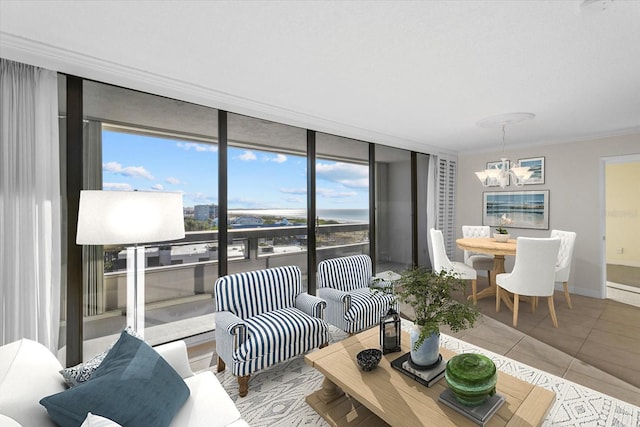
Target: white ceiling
x: 413, y: 74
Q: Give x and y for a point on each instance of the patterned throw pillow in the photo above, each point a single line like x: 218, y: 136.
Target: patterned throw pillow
x: 82, y: 372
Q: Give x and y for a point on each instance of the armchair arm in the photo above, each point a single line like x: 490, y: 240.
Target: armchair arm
x: 335, y: 295
x: 233, y: 325
x: 310, y: 304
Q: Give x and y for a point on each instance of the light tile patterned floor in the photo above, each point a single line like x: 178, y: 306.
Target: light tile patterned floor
x: 276, y: 395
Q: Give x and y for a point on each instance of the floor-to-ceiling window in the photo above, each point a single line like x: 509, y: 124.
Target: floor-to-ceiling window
x: 393, y: 208
x: 136, y: 141
x: 342, y: 196
x: 267, y: 194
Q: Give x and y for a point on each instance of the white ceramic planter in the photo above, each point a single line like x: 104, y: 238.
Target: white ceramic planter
x: 428, y: 353
x: 501, y: 237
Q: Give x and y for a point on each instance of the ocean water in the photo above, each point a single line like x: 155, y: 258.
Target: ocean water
x: 340, y: 215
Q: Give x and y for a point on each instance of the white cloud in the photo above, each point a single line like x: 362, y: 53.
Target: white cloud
x: 295, y: 200
x: 332, y: 194
x: 158, y: 187
x: 130, y: 171
x: 172, y: 180
x: 348, y: 174
x: 197, y: 147
x: 202, y: 198
x: 279, y: 158
x: 117, y: 186
x: 293, y: 190
x: 247, y: 156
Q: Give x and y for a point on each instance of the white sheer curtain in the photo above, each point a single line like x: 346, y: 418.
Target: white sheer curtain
x: 30, y: 252
x: 432, y: 200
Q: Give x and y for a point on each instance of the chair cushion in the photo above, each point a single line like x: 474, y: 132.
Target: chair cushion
x: 345, y: 273
x: 252, y: 293
x: 133, y: 386
x: 367, y: 307
x: 480, y: 262
x: 276, y: 336
x: 208, y: 405
x: 465, y: 272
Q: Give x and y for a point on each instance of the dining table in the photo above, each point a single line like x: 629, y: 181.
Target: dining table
x: 490, y: 246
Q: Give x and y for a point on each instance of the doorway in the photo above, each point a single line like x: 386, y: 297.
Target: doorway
x: 622, y: 229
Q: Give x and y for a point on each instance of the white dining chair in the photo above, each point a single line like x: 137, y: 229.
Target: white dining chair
x: 563, y: 263
x: 441, y: 262
x: 533, y: 274
x: 475, y: 260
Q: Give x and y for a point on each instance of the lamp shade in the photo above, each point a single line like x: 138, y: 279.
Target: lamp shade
x: 124, y: 217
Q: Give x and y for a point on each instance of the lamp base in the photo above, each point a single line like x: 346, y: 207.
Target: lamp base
x: 135, y: 289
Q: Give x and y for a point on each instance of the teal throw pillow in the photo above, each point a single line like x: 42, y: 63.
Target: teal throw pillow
x: 133, y: 386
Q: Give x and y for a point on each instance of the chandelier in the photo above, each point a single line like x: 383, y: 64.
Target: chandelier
x: 499, y: 174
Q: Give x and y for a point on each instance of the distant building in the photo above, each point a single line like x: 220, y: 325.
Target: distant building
x: 187, y: 211
x: 205, y: 212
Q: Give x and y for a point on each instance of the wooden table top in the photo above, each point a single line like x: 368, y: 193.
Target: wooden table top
x: 487, y: 245
x: 401, y: 401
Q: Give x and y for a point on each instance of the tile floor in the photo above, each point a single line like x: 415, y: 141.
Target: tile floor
x: 596, y: 344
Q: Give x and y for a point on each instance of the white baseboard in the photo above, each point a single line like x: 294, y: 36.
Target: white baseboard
x: 625, y: 263
x: 623, y: 293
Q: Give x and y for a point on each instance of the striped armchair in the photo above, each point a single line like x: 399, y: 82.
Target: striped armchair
x: 344, y: 283
x: 263, y: 318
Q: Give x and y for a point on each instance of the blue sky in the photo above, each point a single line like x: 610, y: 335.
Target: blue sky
x: 257, y: 179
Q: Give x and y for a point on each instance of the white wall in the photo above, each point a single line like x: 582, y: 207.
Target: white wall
x: 574, y: 178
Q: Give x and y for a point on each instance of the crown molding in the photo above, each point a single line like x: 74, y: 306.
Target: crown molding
x: 21, y: 49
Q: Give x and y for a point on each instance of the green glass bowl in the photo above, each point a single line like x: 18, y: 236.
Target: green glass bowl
x: 472, y: 378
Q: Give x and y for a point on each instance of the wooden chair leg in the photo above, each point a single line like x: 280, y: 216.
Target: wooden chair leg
x: 497, y: 299
x: 552, y: 310
x: 489, y: 277
x: 566, y: 294
x: 243, y: 385
x: 323, y: 345
x: 221, y: 365
x: 516, y: 304
x: 474, y: 292
x: 532, y: 300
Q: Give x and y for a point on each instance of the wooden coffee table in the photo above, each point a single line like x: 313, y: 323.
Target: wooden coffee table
x: 385, y: 396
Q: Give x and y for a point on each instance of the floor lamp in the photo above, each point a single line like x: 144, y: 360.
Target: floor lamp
x: 130, y: 218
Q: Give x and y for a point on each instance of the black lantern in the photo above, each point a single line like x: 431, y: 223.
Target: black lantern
x: 390, y: 332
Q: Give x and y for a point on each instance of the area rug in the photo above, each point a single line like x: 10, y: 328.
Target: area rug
x: 276, y: 395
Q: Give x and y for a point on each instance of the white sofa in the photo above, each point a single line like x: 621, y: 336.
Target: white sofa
x: 29, y: 372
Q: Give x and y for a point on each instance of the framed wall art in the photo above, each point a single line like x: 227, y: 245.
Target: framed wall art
x: 536, y: 164
x: 522, y: 209
x: 498, y: 165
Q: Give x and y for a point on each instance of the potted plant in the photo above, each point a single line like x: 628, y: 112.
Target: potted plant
x: 430, y: 295
x: 501, y: 234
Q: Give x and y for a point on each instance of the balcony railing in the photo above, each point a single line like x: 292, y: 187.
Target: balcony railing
x: 188, y: 267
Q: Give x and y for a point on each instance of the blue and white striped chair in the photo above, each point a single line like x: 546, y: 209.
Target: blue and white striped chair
x: 344, y: 283
x: 263, y: 318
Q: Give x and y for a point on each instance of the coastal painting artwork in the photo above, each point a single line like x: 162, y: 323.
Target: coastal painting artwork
x: 535, y: 164
x: 523, y: 209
